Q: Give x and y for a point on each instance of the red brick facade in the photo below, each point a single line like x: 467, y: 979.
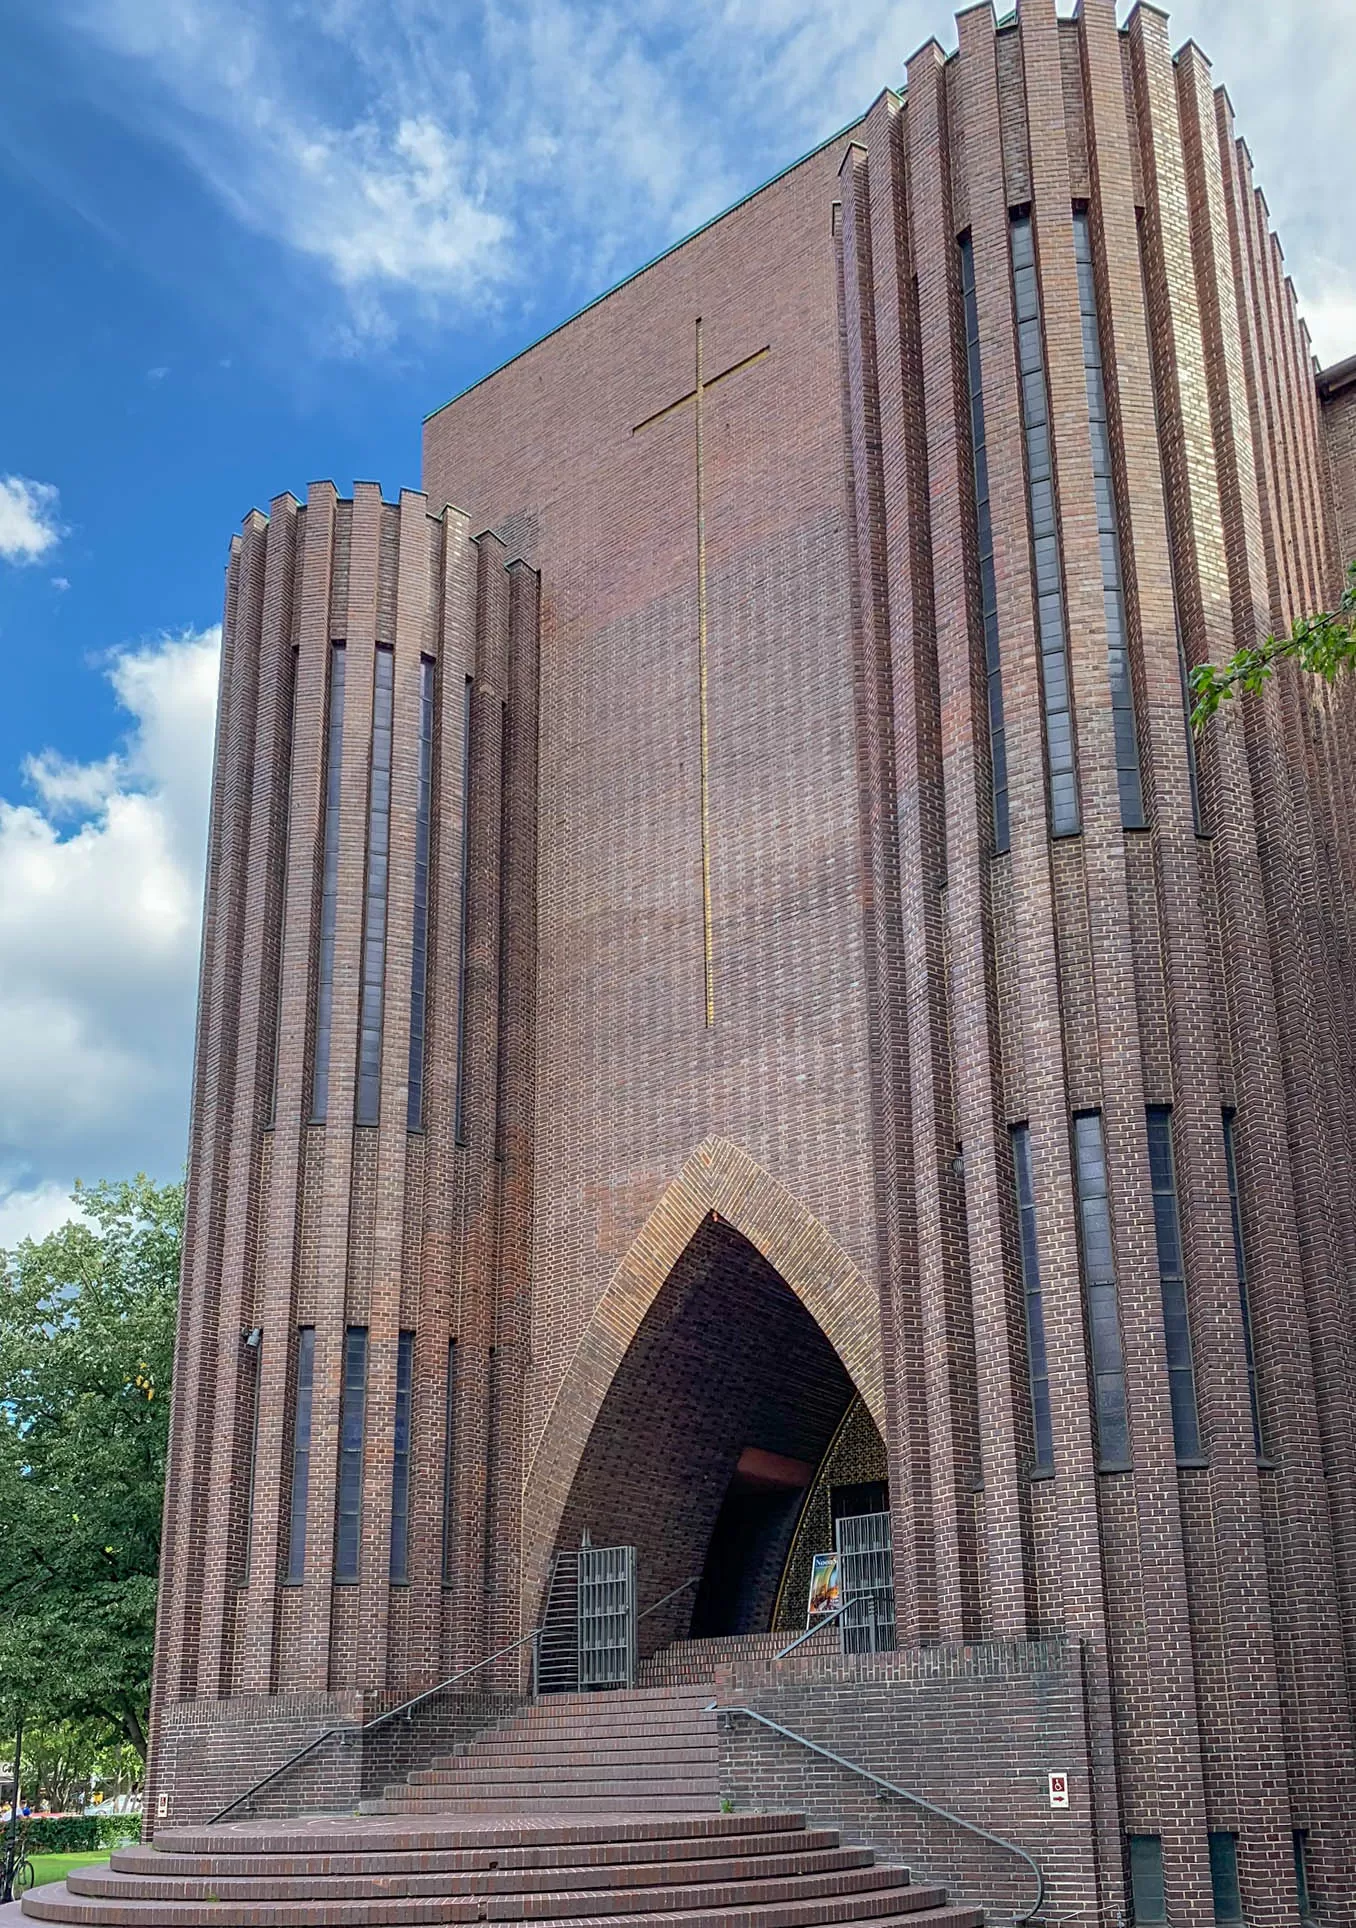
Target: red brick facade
x: 739, y: 996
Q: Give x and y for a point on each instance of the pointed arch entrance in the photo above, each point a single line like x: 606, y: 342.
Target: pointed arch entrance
x: 705, y: 1391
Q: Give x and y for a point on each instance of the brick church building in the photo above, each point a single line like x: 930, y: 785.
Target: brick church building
x: 738, y: 1025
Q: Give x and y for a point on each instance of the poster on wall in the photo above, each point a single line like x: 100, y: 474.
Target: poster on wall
x: 824, y: 1586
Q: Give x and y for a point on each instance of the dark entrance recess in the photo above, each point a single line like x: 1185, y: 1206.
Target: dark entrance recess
x: 709, y: 1439
x: 749, y: 1543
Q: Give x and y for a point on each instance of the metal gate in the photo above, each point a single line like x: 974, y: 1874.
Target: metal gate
x: 607, y: 1616
x: 867, y: 1579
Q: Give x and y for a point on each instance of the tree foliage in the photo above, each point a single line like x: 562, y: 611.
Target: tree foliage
x: 1324, y: 644
x: 86, y: 1348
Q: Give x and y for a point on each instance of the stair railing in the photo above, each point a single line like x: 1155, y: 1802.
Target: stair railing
x: 903, y: 1794
x: 403, y: 1711
x: 664, y: 1598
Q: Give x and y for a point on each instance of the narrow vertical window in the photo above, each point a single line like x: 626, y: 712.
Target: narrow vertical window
x: 414, y: 1104
x: 374, y: 908
x: 1148, y: 1902
x: 329, y: 886
x: 1040, y: 479
x: 1193, y: 774
x: 253, y: 1346
x: 352, y: 1416
x: 301, y: 1455
x: 450, y: 1466
x: 285, y: 805
x: 1241, y: 1267
x: 1108, y: 536
x: 988, y: 589
x: 1299, y: 1838
x: 1224, y: 1876
x: 465, y: 936
x: 1037, y: 1365
x: 1186, y: 1429
x: 1099, y: 1268
x: 400, y: 1463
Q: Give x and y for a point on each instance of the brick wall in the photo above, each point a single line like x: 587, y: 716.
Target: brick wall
x: 1337, y: 389
x: 976, y: 1730
x: 890, y: 992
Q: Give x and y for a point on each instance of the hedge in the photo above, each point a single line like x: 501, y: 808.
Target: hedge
x: 77, y: 1833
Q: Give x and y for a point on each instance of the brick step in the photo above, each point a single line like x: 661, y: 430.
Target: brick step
x: 476, y: 1768
x: 698, y: 1720
x: 620, y: 1827
x: 646, y: 1700
x: 693, y: 1801
x: 515, y: 1904
x: 57, y: 1903
x: 446, y: 1790
x: 576, y: 1864
x: 510, y: 1753
x: 578, y: 1733
x: 293, y: 1876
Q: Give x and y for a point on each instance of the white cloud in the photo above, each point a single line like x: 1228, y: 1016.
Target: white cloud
x: 34, y: 1212
x: 421, y: 154
x: 30, y: 524
x: 99, y: 932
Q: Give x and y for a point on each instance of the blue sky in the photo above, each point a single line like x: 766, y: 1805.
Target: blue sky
x: 251, y: 242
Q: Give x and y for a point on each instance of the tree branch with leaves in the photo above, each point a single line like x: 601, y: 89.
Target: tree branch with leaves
x: 86, y: 1350
x: 1324, y: 644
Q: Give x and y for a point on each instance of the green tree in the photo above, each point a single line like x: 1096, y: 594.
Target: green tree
x: 1324, y: 644
x: 86, y: 1349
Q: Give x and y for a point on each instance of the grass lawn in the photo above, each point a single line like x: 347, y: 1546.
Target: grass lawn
x: 55, y: 1867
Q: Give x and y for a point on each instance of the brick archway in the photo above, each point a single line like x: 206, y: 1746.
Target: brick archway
x: 719, y: 1180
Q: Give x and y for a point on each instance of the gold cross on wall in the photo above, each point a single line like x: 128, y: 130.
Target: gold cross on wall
x: 695, y: 395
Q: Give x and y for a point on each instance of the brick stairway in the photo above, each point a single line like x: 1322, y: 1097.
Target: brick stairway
x: 647, y: 1750
x: 584, y: 1807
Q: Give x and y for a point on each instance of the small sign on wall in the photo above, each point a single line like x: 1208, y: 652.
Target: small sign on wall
x: 162, y: 1806
x: 1059, y: 1790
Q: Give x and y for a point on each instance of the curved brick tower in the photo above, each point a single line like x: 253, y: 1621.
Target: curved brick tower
x: 844, y: 1046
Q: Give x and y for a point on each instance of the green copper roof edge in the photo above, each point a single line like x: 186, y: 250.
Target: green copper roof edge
x: 653, y: 262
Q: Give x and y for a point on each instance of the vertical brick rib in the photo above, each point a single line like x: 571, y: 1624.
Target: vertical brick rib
x: 929, y: 155
x: 920, y: 830
x: 517, y: 1099
x: 166, y: 1672
x: 412, y: 536
x: 444, y: 1164
x: 1222, y: 1522
x: 256, y: 996
x: 897, y: 1235
x: 220, y: 1026
x: 472, y: 1605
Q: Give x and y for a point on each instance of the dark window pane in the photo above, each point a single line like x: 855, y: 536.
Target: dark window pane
x: 1099, y: 1269
x: 449, y: 1468
x: 1037, y: 1365
x: 414, y: 1103
x: 400, y: 1465
x: 1240, y: 1262
x: 1172, y: 1284
x: 372, y: 990
x: 301, y: 1453
x: 1224, y: 1876
x: 352, y: 1418
x: 1146, y: 1878
x: 329, y: 888
x: 987, y: 581
x: 465, y: 913
x: 1118, y: 663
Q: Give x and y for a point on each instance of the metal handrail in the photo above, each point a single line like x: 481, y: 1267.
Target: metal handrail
x: 904, y: 1794
x: 827, y: 1619
x: 406, y: 1708
x: 824, y: 1620
x: 672, y: 1594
